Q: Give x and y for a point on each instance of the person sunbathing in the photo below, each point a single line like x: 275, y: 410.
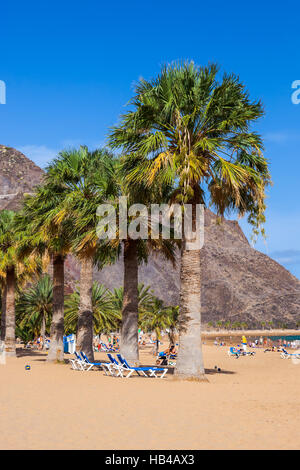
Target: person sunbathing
x: 164, y: 356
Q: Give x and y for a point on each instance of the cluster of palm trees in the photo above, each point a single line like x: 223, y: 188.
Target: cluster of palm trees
x: 34, y: 311
x: 228, y: 325
x: 186, y: 138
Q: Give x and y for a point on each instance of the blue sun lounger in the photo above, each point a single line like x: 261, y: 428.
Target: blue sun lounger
x: 116, y: 366
x: 286, y: 355
x: 146, y: 371
x: 100, y: 365
x: 78, y: 363
x: 234, y: 352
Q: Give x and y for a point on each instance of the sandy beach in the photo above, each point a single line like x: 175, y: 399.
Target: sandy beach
x: 253, y: 403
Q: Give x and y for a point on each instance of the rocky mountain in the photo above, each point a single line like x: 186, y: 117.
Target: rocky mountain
x: 18, y: 176
x: 239, y: 282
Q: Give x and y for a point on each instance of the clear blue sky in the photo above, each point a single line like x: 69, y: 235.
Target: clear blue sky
x: 69, y: 68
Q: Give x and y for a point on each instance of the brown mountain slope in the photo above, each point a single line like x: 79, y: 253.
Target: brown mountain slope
x: 18, y: 175
x: 239, y: 283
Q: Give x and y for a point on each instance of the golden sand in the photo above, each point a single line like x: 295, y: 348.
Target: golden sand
x: 253, y: 403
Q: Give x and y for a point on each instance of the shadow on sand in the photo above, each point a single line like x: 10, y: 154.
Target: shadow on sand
x: 41, y: 356
x: 32, y: 353
x: 207, y: 371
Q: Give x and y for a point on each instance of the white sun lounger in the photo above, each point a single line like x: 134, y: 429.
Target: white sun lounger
x: 125, y: 370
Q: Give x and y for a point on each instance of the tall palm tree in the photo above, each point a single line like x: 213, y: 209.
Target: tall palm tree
x: 94, y: 178
x: 88, y: 181
x: 34, y: 306
x: 8, y: 262
x: 41, y: 236
x: 196, y: 131
x: 13, y: 269
x: 3, y: 306
x: 137, y: 251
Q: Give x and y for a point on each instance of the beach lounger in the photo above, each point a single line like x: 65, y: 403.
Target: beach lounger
x: 239, y: 352
x: 99, y: 365
x: 234, y: 352
x: 81, y: 364
x: 74, y: 364
x: 121, y: 370
x: 286, y: 355
x: 146, y: 371
x: 117, y: 367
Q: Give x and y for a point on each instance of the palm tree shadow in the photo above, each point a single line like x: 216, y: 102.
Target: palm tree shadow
x: 207, y: 371
x: 215, y: 371
x: 30, y: 353
x: 38, y: 356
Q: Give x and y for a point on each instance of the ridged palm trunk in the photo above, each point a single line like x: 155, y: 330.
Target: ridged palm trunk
x: 85, y: 317
x: 172, y: 336
x: 3, y: 312
x: 10, y: 321
x: 129, y: 331
x: 56, y: 349
x: 189, y: 364
x: 43, y: 329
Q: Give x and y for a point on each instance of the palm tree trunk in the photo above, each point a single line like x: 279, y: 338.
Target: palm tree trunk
x: 129, y: 331
x: 10, y: 323
x: 157, y: 344
x: 3, y: 312
x: 43, y: 329
x: 56, y: 349
x: 172, y: 336
x: 85, y: 317
x: 189, y: 363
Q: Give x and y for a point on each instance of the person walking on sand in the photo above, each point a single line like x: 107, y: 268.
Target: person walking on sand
x: 244, y: 343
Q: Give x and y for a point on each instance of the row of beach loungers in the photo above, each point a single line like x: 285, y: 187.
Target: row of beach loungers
x: 286, y: 355
x: 115, y: 367
x: 236, y: 352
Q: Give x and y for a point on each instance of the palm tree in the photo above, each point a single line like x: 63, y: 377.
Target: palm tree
x: 236, y: 325
x: 34, y: 306
x: 43, y: 237
x: 106, y: 317
x: 87, y: 178
x: 3, y: 306
x: 11, y: 268
x: 155, y: 318
x: 195, y: 131
x: 8, y: 262
x: 27, y: 332
x: 145, y: 297
x: 93, y: 179
x: 136, y: 252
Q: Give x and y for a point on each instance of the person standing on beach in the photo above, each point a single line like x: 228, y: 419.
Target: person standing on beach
x: 244, y: 342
